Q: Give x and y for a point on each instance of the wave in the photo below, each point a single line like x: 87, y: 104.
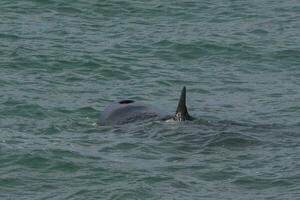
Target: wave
x: 231, y: 140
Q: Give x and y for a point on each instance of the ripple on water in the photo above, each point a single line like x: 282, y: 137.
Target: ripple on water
x: 232, y: 140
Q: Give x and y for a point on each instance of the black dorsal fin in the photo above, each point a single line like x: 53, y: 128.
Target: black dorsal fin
x: 181, y: 111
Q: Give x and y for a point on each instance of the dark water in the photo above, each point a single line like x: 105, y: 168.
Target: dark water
x: 62, y: 63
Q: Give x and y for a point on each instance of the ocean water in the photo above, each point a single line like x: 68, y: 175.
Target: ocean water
x: 61, y: 63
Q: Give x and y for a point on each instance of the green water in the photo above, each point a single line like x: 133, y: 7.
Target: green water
x: 61, y: 64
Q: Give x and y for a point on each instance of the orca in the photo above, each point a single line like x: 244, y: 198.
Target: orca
x: 128, y: 111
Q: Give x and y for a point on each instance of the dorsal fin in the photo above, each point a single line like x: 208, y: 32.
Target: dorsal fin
x: 181, y: 111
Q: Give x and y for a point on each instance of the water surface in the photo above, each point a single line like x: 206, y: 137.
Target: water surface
x: 62, y: 63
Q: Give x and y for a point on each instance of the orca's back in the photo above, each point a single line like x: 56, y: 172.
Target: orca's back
x: 127, y: 111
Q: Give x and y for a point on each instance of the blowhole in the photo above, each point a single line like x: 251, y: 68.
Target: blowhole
x: 126, y: 101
